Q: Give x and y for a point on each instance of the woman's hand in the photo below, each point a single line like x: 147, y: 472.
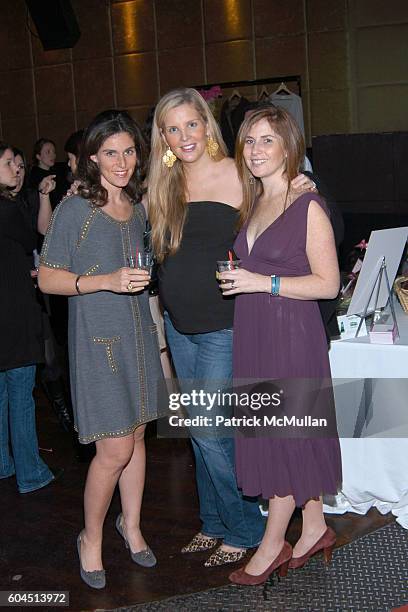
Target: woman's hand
x: 303, y: 183
x: 73, y: 190
x: 243, y: 281
x: 47, y: 184
x: 127, y: 280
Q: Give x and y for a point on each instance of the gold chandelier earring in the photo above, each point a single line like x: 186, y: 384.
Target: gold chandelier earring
x: 169, y: 158
x: 212, y: 147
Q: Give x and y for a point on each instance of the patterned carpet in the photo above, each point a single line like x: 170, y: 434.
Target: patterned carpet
x: 368, y: 575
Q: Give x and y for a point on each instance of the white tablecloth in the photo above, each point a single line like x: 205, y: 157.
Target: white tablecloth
x: 375, y: 466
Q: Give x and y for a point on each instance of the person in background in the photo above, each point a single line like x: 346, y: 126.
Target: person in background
x: 35, y: 203
x: 36, y: 206
x: 289, y: 261
x: 194, y: 193
x: 22, y: 345
x: 72, y: 148
x: 43, y: 159
x: 44, y: 164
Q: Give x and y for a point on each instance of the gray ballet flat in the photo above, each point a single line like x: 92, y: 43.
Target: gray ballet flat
x: 95, y: 579
x: 145, y: 557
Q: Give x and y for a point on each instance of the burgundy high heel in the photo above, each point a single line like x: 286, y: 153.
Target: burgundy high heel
x: 325, y: 543
x: 280, y: 564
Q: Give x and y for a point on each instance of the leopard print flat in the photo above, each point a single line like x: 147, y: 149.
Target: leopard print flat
x: 222, y: 557
x: 199, y: 543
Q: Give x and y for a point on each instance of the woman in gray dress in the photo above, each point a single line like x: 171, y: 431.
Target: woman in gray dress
x: 88, y: 253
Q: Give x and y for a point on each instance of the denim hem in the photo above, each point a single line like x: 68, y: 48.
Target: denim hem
x: 36, y: 488
x: 212, y: 535
x: 8, y: 475
x: 239, y: 545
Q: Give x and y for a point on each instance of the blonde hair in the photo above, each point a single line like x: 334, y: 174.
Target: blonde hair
x: 167, y: 186
x: 293, y: 144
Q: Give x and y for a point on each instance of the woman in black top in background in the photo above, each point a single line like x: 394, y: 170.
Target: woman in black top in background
x: 35, y: 205
x: 22, y: 341
x: 34, y: 201
x: 44, y: 164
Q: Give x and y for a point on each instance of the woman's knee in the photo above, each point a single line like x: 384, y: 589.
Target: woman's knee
x: 115, y: 453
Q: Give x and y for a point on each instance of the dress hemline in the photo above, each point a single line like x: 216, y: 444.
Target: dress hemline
x: 116, y: 434
x: 300, y: 500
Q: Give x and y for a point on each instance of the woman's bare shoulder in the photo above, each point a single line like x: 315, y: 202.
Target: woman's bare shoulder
x: 228, y: 163
x: 229, y: 189
x: 228, y: 168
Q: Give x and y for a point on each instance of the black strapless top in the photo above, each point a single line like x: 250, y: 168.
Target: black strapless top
x: 188, y: 288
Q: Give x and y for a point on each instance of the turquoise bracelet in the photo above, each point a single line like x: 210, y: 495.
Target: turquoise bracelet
x: 275, y: 284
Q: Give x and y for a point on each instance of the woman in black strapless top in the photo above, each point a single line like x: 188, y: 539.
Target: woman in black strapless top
x: 194, y: 192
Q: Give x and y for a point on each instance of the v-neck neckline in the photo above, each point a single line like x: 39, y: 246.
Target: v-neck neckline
x: 269, y: 226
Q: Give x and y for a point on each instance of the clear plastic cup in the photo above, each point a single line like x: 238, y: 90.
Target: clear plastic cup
x: 141, y: 261
x: 225, y: 266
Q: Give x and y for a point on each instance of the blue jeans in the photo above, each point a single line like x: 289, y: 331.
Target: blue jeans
x: 17, y: 416
x: 224, y: 512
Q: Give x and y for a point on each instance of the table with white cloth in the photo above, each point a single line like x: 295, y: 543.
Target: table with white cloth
x: 371, y: 394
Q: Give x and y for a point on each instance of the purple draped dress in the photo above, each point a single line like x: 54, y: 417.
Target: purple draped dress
x: 275, y: 338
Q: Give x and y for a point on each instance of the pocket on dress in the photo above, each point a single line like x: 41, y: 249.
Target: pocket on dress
x: 108, y: 344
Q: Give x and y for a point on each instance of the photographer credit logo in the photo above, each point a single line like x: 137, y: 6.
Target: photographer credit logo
x: 200, y: 406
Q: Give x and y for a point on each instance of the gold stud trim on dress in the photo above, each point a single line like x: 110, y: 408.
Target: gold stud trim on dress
x: 46, y: 243
x: 116, y: 221
x: 141, y: 364
x: 86, y: 226
x: 91, y: 270
x: 140, y: 213
x: 108, y: 342
x: 113, y: 434
x: 56, y: 266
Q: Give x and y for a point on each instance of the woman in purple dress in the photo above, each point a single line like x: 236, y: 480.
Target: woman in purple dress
x: 289, y: 261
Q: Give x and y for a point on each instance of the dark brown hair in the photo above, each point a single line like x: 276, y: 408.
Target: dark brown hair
x: 4, y: 190
x: 74, y: 143
x: 38, y: 145
x: 293, y: 144
x: 104, y: 125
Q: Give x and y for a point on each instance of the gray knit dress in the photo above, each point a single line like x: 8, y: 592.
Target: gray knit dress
x: 114, y: 358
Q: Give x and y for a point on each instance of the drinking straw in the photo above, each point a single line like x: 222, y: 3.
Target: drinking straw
x: 230, y: 256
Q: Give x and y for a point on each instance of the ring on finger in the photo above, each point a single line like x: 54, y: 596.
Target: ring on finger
x: 130, y: 286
